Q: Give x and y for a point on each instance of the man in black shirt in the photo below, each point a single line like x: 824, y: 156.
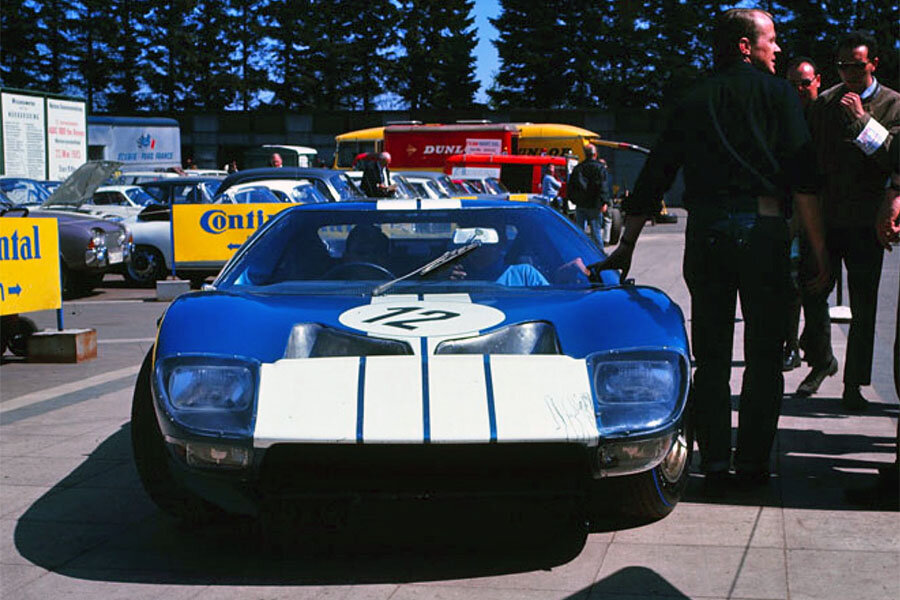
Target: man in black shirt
x: 588, y: 190
x: 743, y: 143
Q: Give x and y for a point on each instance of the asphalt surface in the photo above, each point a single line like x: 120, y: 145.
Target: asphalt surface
x: 75, y: 522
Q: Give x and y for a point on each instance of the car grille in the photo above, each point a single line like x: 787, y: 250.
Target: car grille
x: 425, y: 470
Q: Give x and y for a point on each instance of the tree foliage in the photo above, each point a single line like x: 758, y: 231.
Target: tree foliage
x: 125, y: 56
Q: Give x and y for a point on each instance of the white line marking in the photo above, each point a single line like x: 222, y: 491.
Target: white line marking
x: 67, y: 388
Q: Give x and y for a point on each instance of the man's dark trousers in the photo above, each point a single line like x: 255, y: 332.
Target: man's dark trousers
x: 863, y: 256
x: 729, y: 254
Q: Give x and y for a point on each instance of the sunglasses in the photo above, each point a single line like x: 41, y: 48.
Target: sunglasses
x: 843, y: 65
x: 802, y: 83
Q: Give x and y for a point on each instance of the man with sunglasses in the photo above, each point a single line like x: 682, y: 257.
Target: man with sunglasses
x: 802, y: 74
x: 853, y: 125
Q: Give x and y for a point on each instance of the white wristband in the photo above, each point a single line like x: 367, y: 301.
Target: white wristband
x: 871, y: 138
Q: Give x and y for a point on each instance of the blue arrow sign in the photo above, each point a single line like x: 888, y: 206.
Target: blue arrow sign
x: 233, y: 246
x: 15, y: 290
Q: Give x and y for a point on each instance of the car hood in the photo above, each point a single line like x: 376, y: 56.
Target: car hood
x: 262, y: 326
x: 81, y: 184
x: 76, y: 219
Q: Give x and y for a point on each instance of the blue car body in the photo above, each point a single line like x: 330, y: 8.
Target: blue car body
x: 551, y: 360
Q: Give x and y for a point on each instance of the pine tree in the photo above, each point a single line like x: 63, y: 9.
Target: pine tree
x: 531, y: 63
x: 369, y: 27
x: 19, y: 62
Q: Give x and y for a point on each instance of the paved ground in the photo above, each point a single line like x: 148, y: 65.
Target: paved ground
x: 75, y: 523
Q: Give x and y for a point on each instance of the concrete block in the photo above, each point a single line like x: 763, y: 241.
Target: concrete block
x: 66, y: 346
x: 169, y: 289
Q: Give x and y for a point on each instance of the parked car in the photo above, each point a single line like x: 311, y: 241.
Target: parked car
x: 90, y: 247
x: 447, y: 350
x: 117, y: 201
x: 432, y: 184
x: 302, y: 191
x: 334, y: 185
x: 183, y: 190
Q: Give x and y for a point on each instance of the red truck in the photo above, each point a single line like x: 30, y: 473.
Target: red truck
x: 427, y: 147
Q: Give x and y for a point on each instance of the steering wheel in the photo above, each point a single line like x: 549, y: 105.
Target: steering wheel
x: 358, y: 270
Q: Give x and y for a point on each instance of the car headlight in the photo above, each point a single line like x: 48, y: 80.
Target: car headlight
x: 637, y: 391
x: 98, y: 238
x: 209, y: 395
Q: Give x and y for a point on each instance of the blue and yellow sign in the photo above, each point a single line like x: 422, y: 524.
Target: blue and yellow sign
x: 210, y: 233
x: 29, y: 265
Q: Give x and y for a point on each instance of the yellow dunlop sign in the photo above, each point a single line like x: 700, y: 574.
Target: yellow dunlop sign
x: 29, y: 265
x: 210, y: 233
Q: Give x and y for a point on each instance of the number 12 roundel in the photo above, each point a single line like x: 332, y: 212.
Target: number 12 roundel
x: 421, y: 318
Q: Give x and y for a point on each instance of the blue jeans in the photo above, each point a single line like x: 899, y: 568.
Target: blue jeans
x: 592, y: 217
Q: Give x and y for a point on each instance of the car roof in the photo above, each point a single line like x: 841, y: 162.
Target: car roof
x: 264, y: 173
x: 175, y: 181
x: 117, y: 188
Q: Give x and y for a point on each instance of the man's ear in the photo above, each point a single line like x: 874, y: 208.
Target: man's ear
x: 744, y: 45
x: 874, y: 62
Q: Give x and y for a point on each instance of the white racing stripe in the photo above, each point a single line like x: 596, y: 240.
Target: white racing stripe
x: 441, y: 204
x: 543, y: 398
x: 395, y: 204
x: 393, y: 407
x: 309, y: 400
x: 458, y: 399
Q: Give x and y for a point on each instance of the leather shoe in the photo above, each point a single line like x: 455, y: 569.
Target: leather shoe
x: 852, y: 400
x: 791, y: 358
x: 810, y: 385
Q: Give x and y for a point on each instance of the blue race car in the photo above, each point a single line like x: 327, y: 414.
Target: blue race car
x: 411, y: 349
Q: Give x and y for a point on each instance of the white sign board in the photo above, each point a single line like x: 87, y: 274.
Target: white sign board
x: 478, y: 146
x: 24, y: 148
x: 66, y: 137
x: 144, y: 147
x: 475, y: 172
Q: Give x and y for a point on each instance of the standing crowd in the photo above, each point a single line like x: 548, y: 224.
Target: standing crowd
x: 765, y: 161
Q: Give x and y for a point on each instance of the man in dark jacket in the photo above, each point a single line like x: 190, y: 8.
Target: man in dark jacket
x: 376, y: 181
x: 587, y: 189
x: 743, y: 143
x: 853, y: 125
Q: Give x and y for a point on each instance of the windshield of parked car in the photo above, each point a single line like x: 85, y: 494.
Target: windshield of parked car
x: 24, y: 192
x: 326, y: 250
x: 139, y: 196
x: 346, y: 189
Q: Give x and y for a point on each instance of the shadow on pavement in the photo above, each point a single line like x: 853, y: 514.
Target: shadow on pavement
x: 97, y: 523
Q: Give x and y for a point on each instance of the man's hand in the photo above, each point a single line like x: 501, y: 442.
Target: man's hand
x: 852, y: 105
x: 820, y: 282
x: 619, y: 259
x: 887, y: 227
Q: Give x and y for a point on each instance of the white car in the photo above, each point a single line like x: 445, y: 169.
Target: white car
x: 301, y: 191
x: 117, y: 201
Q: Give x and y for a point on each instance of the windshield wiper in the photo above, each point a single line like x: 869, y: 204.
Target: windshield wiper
x: 447, y: 257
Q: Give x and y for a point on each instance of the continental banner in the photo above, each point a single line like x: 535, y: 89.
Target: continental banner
x: 209, y: 234
x: 29, y: 265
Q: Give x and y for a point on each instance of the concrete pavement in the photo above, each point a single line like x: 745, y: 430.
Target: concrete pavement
x: 75, y: 523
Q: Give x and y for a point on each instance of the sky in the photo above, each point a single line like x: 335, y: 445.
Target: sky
x: 486, y: 59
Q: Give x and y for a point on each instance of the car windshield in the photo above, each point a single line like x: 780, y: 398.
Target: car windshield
x: 139, y: 196
x: 253, y: 194
x: 345, y: 188
x: 24, y: 192
x: 325, y: 251
x: 494, y: 186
